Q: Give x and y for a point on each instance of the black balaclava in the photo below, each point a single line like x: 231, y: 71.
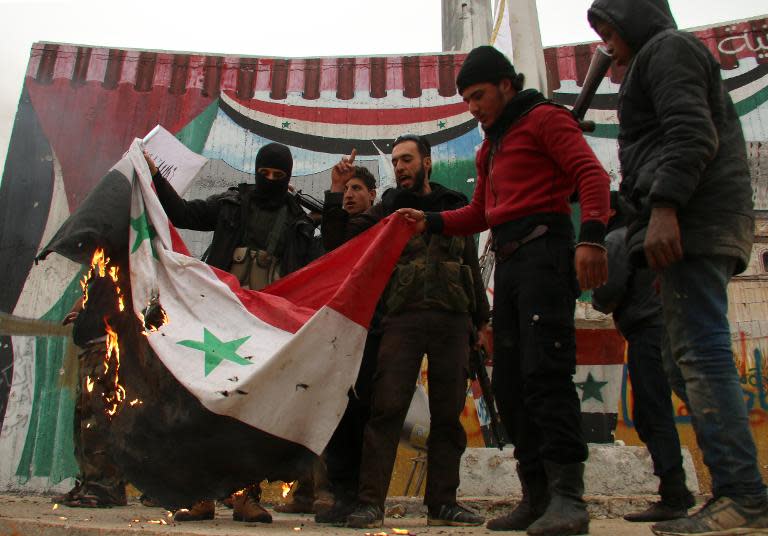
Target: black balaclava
x: 277, y: 156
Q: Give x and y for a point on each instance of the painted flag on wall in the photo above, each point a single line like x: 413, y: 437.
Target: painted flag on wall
x: 235, y: 386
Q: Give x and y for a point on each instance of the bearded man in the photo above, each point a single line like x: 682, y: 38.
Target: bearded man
x: 434, y: 300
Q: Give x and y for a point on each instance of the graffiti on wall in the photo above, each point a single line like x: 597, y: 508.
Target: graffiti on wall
x: 80, y: 107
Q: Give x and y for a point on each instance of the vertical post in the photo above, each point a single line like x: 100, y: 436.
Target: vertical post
x: 466, y: 24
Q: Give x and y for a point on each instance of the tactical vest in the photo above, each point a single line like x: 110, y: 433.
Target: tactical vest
x: 431, y: 275
x: 256, y: 264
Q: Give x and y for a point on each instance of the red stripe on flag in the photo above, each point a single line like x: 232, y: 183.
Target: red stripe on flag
x: 177, y: 243
x: 599, y: 347
x: 351, y: 278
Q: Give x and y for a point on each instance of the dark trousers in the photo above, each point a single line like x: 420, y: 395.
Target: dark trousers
x: 406, y: 337
x: 99, y: 474
x: 652, y: 399
x: 535, y: 352
x: 344, y: 451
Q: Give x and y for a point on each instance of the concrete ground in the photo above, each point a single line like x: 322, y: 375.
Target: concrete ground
x: 36, y: 516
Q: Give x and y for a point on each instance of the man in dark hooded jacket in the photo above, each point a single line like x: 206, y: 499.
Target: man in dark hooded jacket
x: 260, y: 233
x: 630, y: 294
x: 685, y: 173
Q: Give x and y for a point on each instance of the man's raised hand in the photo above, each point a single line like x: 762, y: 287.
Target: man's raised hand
x: 343, y: 171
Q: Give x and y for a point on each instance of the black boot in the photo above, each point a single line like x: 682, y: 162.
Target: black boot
x: 567, y: 512
x: 675, y: 501
x: 535, y: 500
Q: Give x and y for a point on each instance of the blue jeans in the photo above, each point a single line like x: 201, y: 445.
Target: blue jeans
x: 702, y: 373
x: 652, y: 408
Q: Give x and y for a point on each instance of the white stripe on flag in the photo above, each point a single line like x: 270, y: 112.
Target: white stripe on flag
x: 599, y: 381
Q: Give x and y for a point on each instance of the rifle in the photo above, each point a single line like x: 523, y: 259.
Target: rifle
x: 307, y: 201
x: 601, y: 60
x: 478, y: 372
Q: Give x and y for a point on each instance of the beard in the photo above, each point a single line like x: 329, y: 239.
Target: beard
x: 418, y: 181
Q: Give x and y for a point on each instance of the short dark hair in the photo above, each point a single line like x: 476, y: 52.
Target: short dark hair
x: 425, y: 148
x: 365, y: 175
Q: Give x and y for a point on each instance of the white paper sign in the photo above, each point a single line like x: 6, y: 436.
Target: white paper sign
x: 176, y: 162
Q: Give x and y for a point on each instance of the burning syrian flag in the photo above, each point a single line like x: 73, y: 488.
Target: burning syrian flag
x: 224, y: 386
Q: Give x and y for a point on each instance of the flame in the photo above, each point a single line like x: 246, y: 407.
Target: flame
x: 98, y: 268
x: 56, y: 506
x: 114, y: 396
x: 153, y: 317
x: 286, y: 488
x: 404, y: 532
x: 135, y: 402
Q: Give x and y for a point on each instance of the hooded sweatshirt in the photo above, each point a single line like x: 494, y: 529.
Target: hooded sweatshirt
x: 680, y: 138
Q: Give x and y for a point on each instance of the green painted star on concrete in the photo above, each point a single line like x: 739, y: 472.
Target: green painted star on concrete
x: 217, y: 350
x: 591, y: 388
x: 286, y: 124
x: 144, y: 231
x: 441, y: 124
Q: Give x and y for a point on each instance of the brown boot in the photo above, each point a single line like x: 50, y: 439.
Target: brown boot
x: 199, y: 511
x: 246, y: 508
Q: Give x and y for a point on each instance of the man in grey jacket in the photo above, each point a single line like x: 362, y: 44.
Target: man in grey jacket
x: 685, y: 172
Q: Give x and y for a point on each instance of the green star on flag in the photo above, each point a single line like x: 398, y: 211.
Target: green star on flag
x: 217, y: 350
x: 441, y: 124
x: 144, y: 231
x: 286, y: 124
x: 591, y: 388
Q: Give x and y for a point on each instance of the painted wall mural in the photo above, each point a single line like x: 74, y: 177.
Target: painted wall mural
x: 81, y: 106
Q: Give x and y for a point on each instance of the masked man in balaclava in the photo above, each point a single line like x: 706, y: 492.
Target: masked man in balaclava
x: 260, y: 233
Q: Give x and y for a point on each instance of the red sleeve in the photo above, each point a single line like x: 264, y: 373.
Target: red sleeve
x: 470, y: 219
x: 567, y: 146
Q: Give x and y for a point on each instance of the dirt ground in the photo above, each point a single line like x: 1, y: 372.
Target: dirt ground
x: 36, y: 516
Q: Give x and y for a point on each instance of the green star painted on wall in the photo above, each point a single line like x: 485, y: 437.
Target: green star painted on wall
x: 144, y: 231
x: 591, y: 388
x: 217, y: 350
x: 441, y: 123
x: 286, y: 124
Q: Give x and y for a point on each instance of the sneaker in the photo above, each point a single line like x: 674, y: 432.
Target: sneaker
x: 722, y: 516
x: 366, y: 516
x: 453, y: 515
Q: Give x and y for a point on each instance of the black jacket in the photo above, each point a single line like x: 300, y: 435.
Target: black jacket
x: 223, y: 214
x: 680, y: 138
x: 338, y: 227
x: 630, y: 292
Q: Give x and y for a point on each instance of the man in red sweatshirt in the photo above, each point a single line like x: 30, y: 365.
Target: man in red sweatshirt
x: 532, y: 160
